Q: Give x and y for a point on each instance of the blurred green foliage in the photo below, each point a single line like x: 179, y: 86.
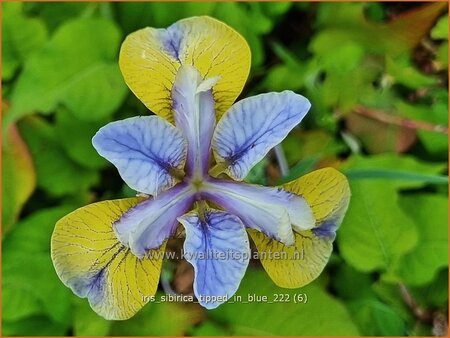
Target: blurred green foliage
x: 376, y: 74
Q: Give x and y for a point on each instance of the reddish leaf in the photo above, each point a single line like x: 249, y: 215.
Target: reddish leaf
x: 18, y: 176
x: 378, y: 137
x: 407, y: 30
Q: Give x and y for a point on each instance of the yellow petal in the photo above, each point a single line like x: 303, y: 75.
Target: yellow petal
x: 150, y: 57
x: 326, y: 191
x: 293, y: 266
x: 90, y: 260
x: 328, y: 194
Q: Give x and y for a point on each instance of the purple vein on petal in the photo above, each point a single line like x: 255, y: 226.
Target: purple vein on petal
x: 193, y: 108
x: 218, y: 248
x: 272, y: 211
x: 253, y: 126
x: 144, y: 150
x: 172, y: 39
x: 147, y: 225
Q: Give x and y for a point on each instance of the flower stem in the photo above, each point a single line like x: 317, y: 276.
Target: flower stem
x: 400, y: 121
x: 281, y: 159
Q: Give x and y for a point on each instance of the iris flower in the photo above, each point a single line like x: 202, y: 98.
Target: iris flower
x: 188, y: 163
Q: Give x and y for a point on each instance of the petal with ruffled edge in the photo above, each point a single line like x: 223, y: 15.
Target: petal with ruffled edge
x: 252, y: 127
x: 150, y: 57
x: 90, y: 260
x: 327, y: 192
x: 148, y: 224
x: 218, y: 248
x: 272, y: 211
x: 193, y: 109
x: 146, y: 150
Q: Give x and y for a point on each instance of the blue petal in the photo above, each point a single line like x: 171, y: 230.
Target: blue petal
x: 253, y: 126
x: 171, y: 40
x: 145, y: 150
x: 193, y: 109
x: 272, y: 211
x: 218, y: 248
x: 147, y: 225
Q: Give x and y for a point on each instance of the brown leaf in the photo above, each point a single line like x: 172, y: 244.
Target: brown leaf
x: 378, y: 137
x: 407, y: 30
x: 18, y: 176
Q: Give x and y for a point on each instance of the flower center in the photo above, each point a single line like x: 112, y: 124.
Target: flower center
x: 196, y: 184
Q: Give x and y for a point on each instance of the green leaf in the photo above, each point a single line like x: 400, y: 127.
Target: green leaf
x: 18, y: 177
x: 375, y: 232
x: 56, y: 13
x: 344, y: 90
x: 351, y: 284
x: 34, y: 274
x: 341, y: 15
x: 75, y: 138
x: 343, y: 60
x: 306, y: 145
x: 402, y: 171
x: 347, y: 21
x: 375, y: 11
x: 22, y: 36
x: 305, y: 148
x: 136, y: 15
x: 440, y: 30
x: 273, y: 9
x: 391, y: 295
x: 287, y: 56
x: 17, y: 303
x: 32, y: 234
x: 434, y: 142
x: 209, y: 328
x: 396, y: 175
x: 430, y: 214
x: 434, y: 293
x: 87, y: 323
x: 442, y: 55
x: 280, y: 78
x: 422, y: 329
x: 257, y: 174
x: 262, y: 24
x: 126, y: 191
x: 322, y: 314
x: 376, y: 319
x: 402, y: 71
x: 232, y: 13
x: 77, y: 68
x: 34, y: 326
x: 56, y: 173
x: 29, y: 280
x: 349, y: 74
x: 162, y: 319
x: 301, y: 168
